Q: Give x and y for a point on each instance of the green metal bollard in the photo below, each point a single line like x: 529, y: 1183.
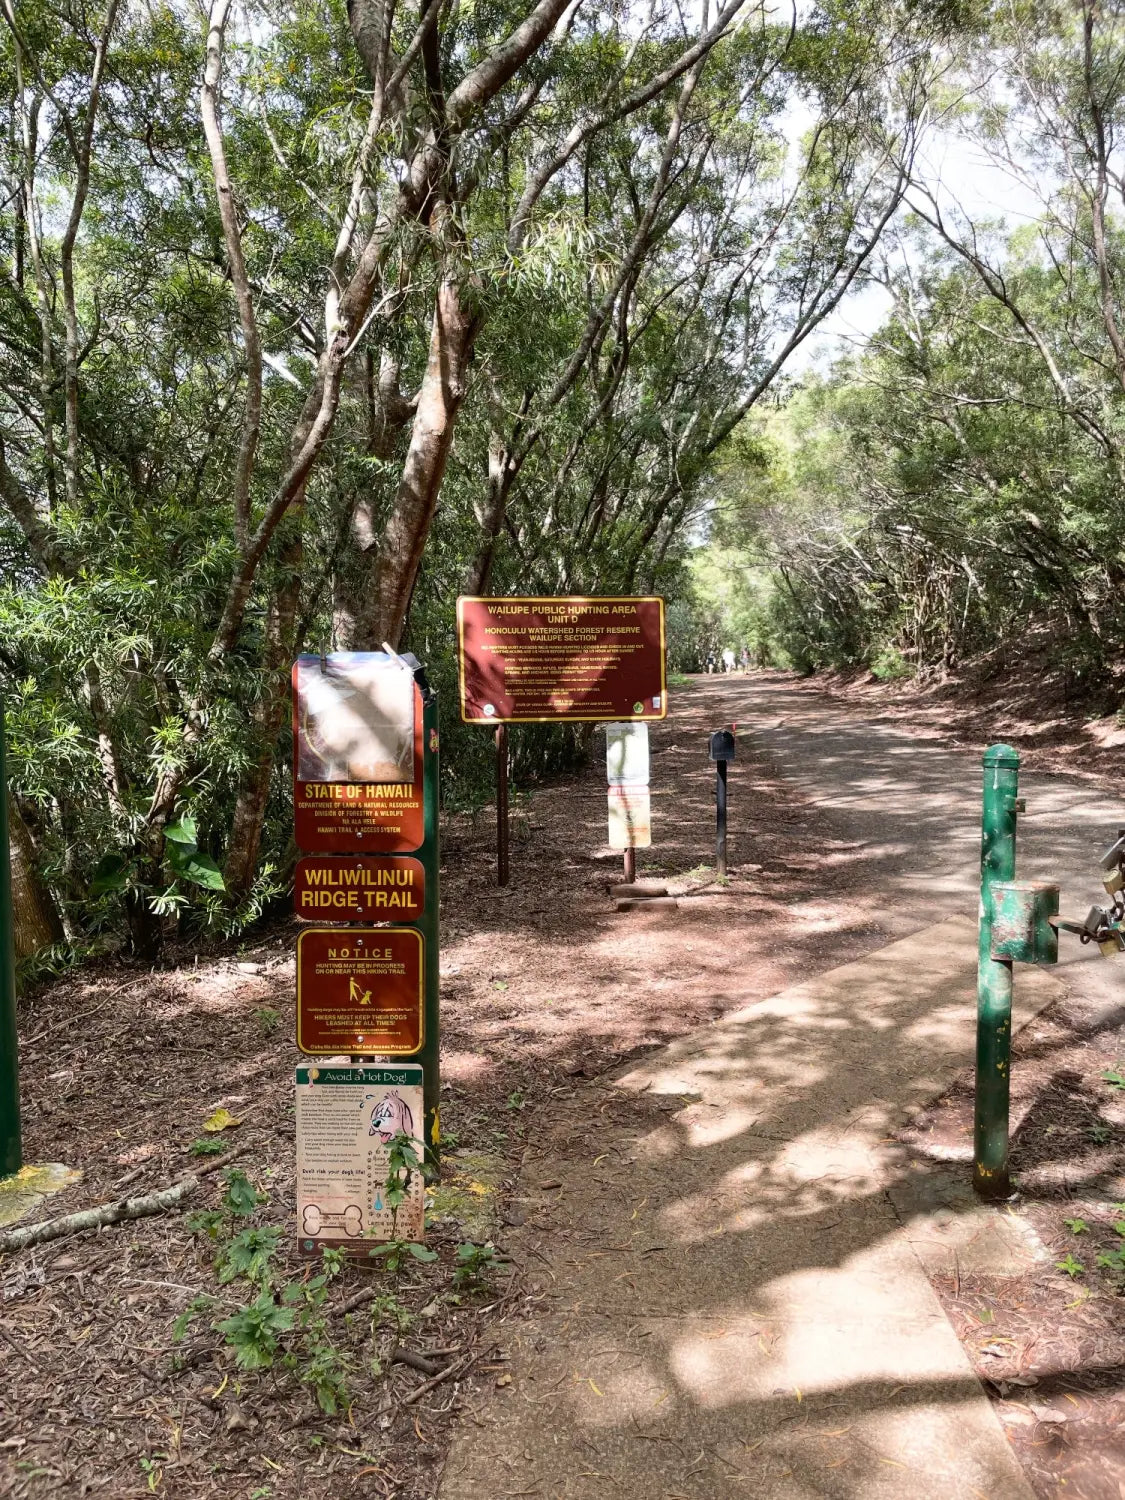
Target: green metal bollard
x: 994, y: 977
x: 430, y: 856
x: 11, y: 1151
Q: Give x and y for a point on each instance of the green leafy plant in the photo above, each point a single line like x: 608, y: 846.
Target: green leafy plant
x: 1113, y: 1261
x: 397, y: 1253
x: 184, y: 857
x: 249, y: 1254
x: 253, y: 1331
x: 241, y: 1197
x: 207, y: 1145
x: 474, y: 1264
x: 1077, y: 1226
x: 210, y: 1223
x: 284, y: 1324
x: 1071, y: 1266
x: 1099, y: 1134
x: 1114, y: 1076
x: 268, y: 1019
x: 403, y: 1165
x: 154, y: 1474
x: 387, y: 1308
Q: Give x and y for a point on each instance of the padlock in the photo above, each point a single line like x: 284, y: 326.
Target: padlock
x: 1113, y: 866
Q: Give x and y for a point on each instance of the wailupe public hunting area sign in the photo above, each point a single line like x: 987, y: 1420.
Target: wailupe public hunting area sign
x: 537, y: 660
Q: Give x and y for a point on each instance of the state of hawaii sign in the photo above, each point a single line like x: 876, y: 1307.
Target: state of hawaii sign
x: 357, y: 755
x: 538, y: 660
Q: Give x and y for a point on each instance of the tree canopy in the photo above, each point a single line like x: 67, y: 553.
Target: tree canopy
x: 314, y: 316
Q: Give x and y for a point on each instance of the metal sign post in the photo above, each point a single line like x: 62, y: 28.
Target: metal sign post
x: 722, y: 750
x: 501, y: 804
x: 11, y: 1149
x: 994, y: 976
x: 430, y: 856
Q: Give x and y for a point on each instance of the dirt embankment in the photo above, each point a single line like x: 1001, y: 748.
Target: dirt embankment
x: 1031, y: 692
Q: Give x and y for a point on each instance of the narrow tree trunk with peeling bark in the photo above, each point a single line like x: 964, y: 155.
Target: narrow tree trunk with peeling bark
x: 404, y: 538
x: 271, y: 716
x: 36, y: 921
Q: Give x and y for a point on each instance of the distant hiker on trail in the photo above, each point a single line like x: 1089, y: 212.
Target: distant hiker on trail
x: 728, y: 659
x: 744, y: 658
x: 710, y: 662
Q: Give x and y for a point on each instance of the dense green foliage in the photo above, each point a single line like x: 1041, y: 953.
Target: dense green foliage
x: 957, y: 484
x: 403, y: 302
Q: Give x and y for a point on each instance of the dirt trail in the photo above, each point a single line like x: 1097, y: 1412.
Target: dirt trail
x: 845, y: 835
x: 724, y: 1291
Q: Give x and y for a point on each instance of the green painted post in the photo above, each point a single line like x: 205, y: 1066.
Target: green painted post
x: 11, y: 1150
x: 431, y: 860
x: 994, y: 977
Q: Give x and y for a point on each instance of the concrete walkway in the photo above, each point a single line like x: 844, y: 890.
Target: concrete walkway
x: 728, y: 1247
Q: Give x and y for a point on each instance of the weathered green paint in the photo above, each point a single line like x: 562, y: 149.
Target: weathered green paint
x: 430, y: 856
x: 1022, y: 929
x: 994, y: 976
x: 11, y: 1150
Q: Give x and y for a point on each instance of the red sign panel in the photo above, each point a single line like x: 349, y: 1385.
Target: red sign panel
x: 356, y: 817
x: 338, y: 889
x: 538, y: 660
x: 360, y: 991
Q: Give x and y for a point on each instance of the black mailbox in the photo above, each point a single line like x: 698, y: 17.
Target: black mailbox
x: 722, y: 745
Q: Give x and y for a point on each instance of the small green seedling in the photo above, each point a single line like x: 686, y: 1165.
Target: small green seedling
x: 1099, y: 1134
x: 208, y: 1145
x: 396, y: 1253
x: 268, y: 1019
x: 1077, y: 1226
x: 1114, y: 1077
x: 1071, y: 1266
x: 474, y: 1264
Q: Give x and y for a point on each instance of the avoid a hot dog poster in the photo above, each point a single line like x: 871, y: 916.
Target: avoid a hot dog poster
x: 347, y: 1117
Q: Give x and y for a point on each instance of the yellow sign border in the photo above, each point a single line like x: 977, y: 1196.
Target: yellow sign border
x: 351, y: 932
x: 605, y: 718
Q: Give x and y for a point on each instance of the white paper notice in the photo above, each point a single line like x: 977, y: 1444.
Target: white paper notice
x: 626, y: 754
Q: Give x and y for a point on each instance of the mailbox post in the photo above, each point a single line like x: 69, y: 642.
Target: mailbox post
x: 722, y: 751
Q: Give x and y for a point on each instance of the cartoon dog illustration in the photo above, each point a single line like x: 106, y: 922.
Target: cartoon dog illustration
x: 390, y: 1116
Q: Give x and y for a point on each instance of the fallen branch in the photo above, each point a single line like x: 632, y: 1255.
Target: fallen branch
x: 95, y: 1218
x: 118, y: 1212
x: 457, y: 1368
x: 419, y: 1362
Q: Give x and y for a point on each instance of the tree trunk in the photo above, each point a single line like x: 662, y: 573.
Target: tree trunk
x: 35, y: 917
x: 270, y: 715
x: 501, y: 472
x: 404, y: 537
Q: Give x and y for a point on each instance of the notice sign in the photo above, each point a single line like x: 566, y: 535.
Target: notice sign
x: 357, y: 755
x: 538, y: 660
x: 626, y: 754
x: 346, y: 1119
x: 360, y: 989
x: 630, y: 817
x: 359, y: 889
